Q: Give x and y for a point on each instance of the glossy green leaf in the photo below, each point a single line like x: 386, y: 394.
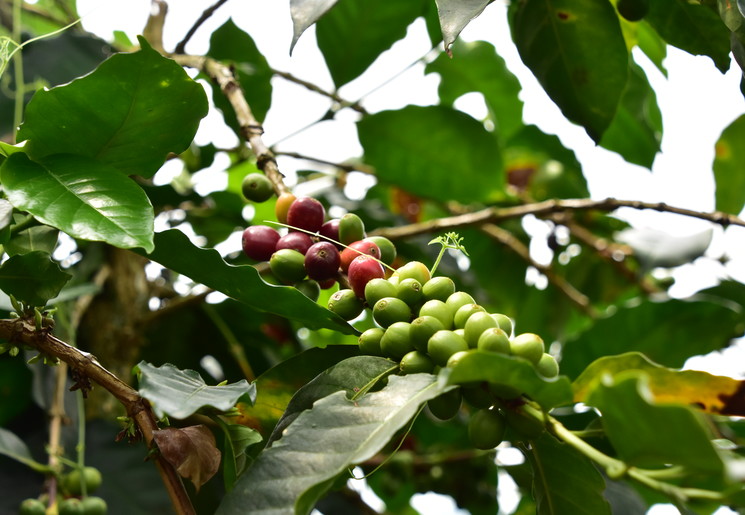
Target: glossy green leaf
x: 435, y: 152
x: 667, y: 332
x: 173, y: 250
x: 636, y: 130
x: 455, y: 15
x: 640, y: 439
x: 652, y: 45
x: 237, y: 439
x: 323, y: 442
x: 353, y: 34
x: 715, y: 394
x: 305, y: 13
x: 729, y: 168
x: 476, y: 66
x: 693, y: 27
x: 181, y: 393
x: 32, y: 278
x: 13, y: 447
x: 585, y: 80
x: 82, y: 197
x: 40, y: 237
x: 232, y: 46
x: 129, y: 113
x: 510, y: 371
x: 564, y: 481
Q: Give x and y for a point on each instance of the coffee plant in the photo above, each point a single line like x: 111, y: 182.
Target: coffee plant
x: 264, y: 347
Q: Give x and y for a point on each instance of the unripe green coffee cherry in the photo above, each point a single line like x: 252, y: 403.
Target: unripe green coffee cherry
x: 447, y: 405
x: 32, y: 507
x: 477, y: 395
x: 464, y: 313
x: 387, y: 249
x: 524, y: 426
x: 410, y: 291
x: 633, y: 10
x: 444, y: 344
x: 94, y: 506
x: 455, y: 358
x: 422, y: 329
x: 494, y: 340
x: 256, y: 187
x: 345, y: 304
x: 369, y: 341
x: 458, y: 299
x: 389, y: 310
x: 416, y: 362
x: 504, y: 322
x: 529, y: 346
x: 396, y: 342
x: 439, y: 310
x: 377, y: 289
x: 351, y: 229
x: 70, y: 506
x: 414, y: 270
x: 486, y: 429
x: 287, y: 265
x: 309, y: 288
x: 91, y: 476
x: 438, y: 288
x: 547, y: 366
x: 476, y: 325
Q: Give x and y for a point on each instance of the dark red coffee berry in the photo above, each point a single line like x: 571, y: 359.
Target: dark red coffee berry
x: 362, y: 270
x: 322, y: 261
x: 306, y: 213
x: 358, y: 248
x: 330, y: 230
x: 296, y: 241
x: 259, y: 242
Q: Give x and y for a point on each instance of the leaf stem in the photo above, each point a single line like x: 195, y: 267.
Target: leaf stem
x: 20, y: 88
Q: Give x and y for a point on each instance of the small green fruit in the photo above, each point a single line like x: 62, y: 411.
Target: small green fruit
x: 524, y: 426
x: 287, y: 265
x: 91, y: 476
x: 504, y: 322
x: 414, y: 270
x: 476, y: 325
x: 464, y: 313
x: 477, y: 395
x: 389, y: 310
x: 547, y: 366
x: 455, y: 358
x: 309, y: 288
x: 94, y: 506
x: 32, y: 507
x: 447, y: 405
x: 529, y: 346
x: 351, y: 229
x: 377, y: 289
x: 70, y: 506
x: 438, y: 288
x: 458, y: 299
x: 256, y: 187
x: 494, y: 340
x: 422, y: 329
x: 396, y: 342
x: 486, y: 429
x: 444, y: 344
x: 387, y: 249
x: 410, y: 291
x: 345, y: 304
x: 633, y: 10
x: 439, y: 310
x: 370, y: 341
x: 416, y: 362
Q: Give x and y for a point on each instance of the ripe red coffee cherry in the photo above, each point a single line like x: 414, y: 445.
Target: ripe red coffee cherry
x: 358, y: 248
x: 296, y: 241
x: 330, y: 230
x: 260, y: 242
x: 322, y: 261
x: 362, y: 270
x: 306, y: 213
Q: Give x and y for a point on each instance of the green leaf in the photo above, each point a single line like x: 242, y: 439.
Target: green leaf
x: 32, y: 278
x: 585, y: 80
x: 515, y: 372
x: 652, y: 45
x: 129, y: 113
x: 82, y: 197
x: 455, y: 15
x: 353, y: 34
x: 237, y: 439
x: 434, y: 152
x: 564, y: 481
x: 693, y: 27
x: 351, y: 375
x: 14, y: 448
x: 476, y: 66
x: 640, y: 439
x: 323, y: 442
x: 729, y: 168
x: 173, y: 250
x: 181, y: 393
x: 40, y: 237
x: 715, y: 394
x: 636, y: 130
x: 305, y: 13
x: 231, y: 45
x: 666, y: 332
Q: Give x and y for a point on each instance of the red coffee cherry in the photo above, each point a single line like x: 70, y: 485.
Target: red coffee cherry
x: 322, y: 261
x: 306, y: 213
x: 361, y: 271
x: 259, y: 242
x: 296, y: 241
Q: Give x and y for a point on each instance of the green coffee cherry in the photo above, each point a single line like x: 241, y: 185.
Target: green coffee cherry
x: 529, y: 346
x: 504, y: 322
x: 422, y: 329
x: 447, y: 405
x: 415, y: 362
x: 32, y: 507
x: 633, y: 10
x: 477, y: 395
x: 345, y: 304
x: 387, y: 249
x: 351, y: 229
x: 464, y: 313
x: 524, y: 426
x: 547, y: 366
x: 494, y: 340
x: 370, y: 341
x: 288, y: 265
x: 486, y: 428
x: 410, y: 291
x: 256, y: 187
x: 439, y: 310
x: 94, y: 506
x: 309, y: 288
x: 389, y: 310
x: 70, y: 506
x: 414, y: 270
x: 476, y: 325
x: 91, y: 476
x: 396, y: 342
x: 377, y: 289
x: 444, y: 344
x: 438, y: 288
x: 455, y: 358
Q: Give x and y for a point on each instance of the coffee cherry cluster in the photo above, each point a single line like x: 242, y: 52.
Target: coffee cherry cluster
x: 70, y: 484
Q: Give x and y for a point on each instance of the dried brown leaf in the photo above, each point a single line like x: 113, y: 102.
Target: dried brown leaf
x: 191, y: 450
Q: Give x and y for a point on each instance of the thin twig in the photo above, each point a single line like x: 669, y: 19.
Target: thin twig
x: 346, y: 167
x: 181, y: 46
x: 316, y: 89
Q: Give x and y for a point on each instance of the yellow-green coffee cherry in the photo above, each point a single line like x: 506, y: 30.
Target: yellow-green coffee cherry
x: 416, y: 362
x: 486, y: 428
x: 389, y: 310
x: 369, y: 341
x: 529, y: 346
x: 438, y: 288
x: 396, y: 342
